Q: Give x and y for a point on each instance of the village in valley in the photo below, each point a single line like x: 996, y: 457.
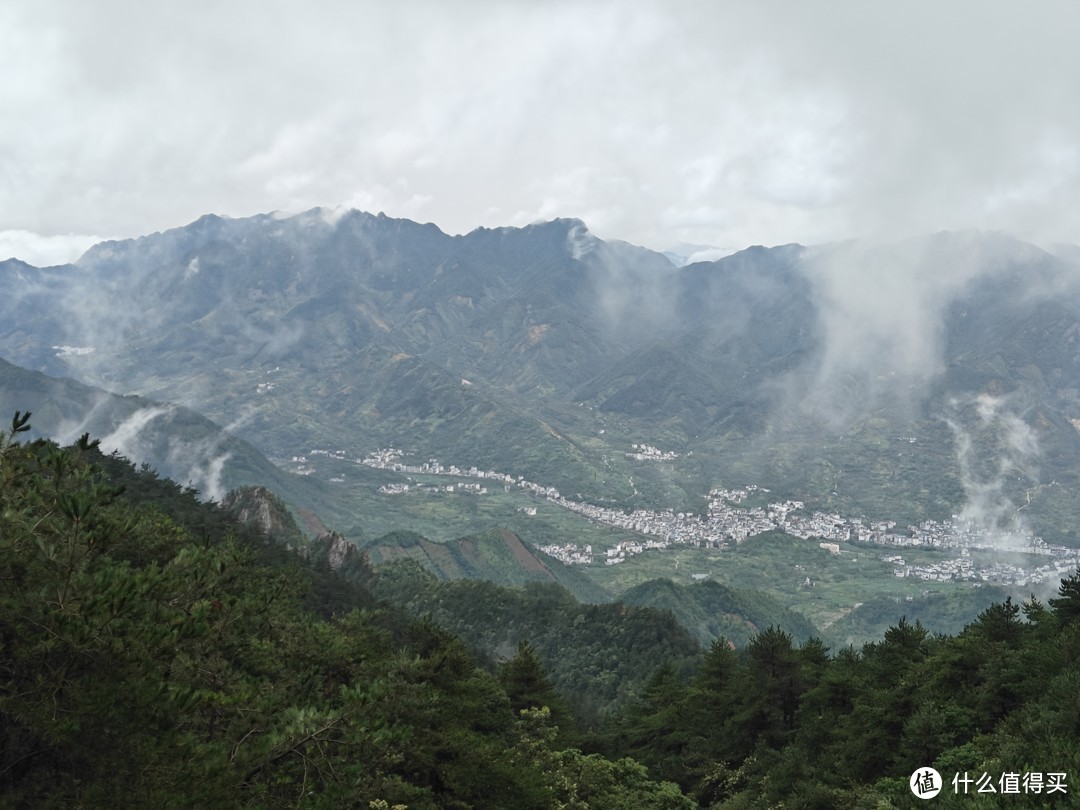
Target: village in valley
x: 730, y: 520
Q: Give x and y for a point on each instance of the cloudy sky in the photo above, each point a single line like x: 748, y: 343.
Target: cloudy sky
x: 720, y: 123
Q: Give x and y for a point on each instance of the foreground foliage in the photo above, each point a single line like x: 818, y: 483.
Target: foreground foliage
x: 152, y: 653
x: 598, y: 655
x: 779, y: 725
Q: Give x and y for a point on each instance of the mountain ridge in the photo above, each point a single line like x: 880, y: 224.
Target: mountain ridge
x: 546, y: 351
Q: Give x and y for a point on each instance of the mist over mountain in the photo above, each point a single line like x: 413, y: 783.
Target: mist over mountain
x: 917, y: 379
x: 175, y: 441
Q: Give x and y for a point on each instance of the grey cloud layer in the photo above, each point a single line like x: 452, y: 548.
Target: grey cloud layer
x: 723, y: 124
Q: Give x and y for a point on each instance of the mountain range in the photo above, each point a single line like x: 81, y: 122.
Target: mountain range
x: 923, y: 378
x: 912, y: 380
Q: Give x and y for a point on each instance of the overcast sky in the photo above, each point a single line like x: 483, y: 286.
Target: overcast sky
x: 722, y: 123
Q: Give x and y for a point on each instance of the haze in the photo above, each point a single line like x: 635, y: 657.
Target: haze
x: 722, y: 124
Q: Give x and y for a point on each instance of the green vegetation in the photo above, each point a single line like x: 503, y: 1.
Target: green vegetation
x: 495, y: 556
x: 155, y: 653
x: 791, y: 726
x: 798, y: 576
x: 712, y: 611
x: 851, y: 598
x: 598, y: 656
x: 946, y: 611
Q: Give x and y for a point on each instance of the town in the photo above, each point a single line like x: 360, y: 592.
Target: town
x: 729, y: 521
x: 646, y: 452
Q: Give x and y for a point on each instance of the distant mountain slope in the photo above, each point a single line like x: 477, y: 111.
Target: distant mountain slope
x: 598, y: 656
x: 177, y: 442
x: 496, y: 556
x: 317, y: 330
x: 892, y: 381
x: 710, y: 610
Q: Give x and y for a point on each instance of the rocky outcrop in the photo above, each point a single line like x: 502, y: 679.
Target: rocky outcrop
x: 339, y: 553
x: 261, y: 508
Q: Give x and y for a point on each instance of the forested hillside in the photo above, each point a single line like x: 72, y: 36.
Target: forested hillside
x: 772, y: 722
x: 599, y: 656
x: 547, y: 352
x: 158, y: 653
x: 795, y: 726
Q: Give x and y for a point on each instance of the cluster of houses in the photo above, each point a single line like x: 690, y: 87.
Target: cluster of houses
x: 267, y: 387
x: 569, y: 553
x: 301, y: 466
x: 646, y: 452
x: 956, y: 532
x: 963, y: 569
x: 728, y: 521
x: 390, y: 459
x: 465, y: 487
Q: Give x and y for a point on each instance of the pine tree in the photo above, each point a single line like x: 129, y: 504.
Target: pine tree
x: 1067, y: 606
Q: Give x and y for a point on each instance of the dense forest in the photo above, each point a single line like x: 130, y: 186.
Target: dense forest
x: 598, y: 656
x: 154, y: 654
x: 786, y: 726
x: 157, y: 652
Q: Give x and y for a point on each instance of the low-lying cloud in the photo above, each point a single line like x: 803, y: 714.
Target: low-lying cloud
x: 997, y: 456
x: 198, y: 463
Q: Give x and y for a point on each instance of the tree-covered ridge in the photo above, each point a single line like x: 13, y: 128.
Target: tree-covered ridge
x: 496, y: 555
x: 153, y: 653
x: 791, y: 726
x: 711, y: 610
x: 599, y: 656
x: 775, y: 723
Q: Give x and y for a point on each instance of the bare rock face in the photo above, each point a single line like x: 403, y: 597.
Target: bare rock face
x: 340, y: 552
x: 261, y: 508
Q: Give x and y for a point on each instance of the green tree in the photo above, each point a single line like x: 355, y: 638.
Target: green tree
x: 1067, y: 606
x: 528, y: 687
x: 771, y: 690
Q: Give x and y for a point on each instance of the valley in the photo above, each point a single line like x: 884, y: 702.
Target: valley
x: 539, y: 406
x: 841, y: 563
x: 597, y: 400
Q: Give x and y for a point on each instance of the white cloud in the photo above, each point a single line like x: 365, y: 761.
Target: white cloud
x: 43, y: 251
x: 127, y: 438
x: 724, y: 123
x: 710, y: 254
